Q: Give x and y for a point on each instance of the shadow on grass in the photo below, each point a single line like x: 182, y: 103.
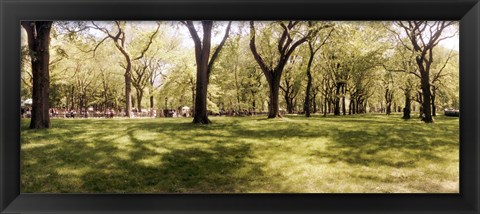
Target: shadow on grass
x: 216, y: 167
x: 174, y: 155
x: 366, y: 142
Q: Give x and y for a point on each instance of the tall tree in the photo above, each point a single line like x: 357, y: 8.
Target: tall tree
x: 287, y: 43
x: 424, y: 36
x: 119, y: 39
x: 204, y: 65
x: 315, y: 42
x: 38, y: 33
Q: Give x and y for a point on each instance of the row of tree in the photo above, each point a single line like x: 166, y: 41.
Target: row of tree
x: 300, y: 66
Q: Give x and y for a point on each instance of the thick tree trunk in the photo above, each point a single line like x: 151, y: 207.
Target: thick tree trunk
x: 407, y: 109
x: 152, y: 102
x: 128, y: 89
x: 434, y: 108
x: 201, y: 115
x: 290, y: 105
x: 38, y: 34
x: 139, y: 99
x: 204, y: 66
x: 427, y: 117
x: 202, y: 57
x: 274, y: 87
x: 336, y: 110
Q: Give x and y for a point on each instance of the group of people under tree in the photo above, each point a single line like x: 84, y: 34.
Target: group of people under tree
x: 272, y: 67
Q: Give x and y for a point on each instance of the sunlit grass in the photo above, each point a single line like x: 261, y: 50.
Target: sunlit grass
x: 354, y: 154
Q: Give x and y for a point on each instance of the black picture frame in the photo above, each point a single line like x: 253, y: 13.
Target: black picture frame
x: 466, y: 11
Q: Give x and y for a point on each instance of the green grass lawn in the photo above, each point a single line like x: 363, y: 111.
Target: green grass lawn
x: 344, y: 154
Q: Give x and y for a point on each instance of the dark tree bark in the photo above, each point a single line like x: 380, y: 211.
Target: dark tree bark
x: 336, y: 110
x: 407, y: 108
x: 152, y: 102
x: 434, y: 107
x: 286, y: 46
x: 38, y: 35
x: 309, y: 80
x: 204, y: 66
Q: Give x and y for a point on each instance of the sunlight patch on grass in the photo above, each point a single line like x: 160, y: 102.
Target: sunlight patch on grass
x: 152, y: 161
x: 38, y: 144
x: 72, y: 171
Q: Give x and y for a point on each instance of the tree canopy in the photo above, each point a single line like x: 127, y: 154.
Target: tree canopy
x: 252, y: 67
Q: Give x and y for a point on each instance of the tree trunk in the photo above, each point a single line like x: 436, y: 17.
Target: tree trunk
x: 201, y: 115
x: 139, y: 99
x: 407, y: 109
x: 309, y: 83
x: 427, y: 117
x: 202, y: 55
x: 38, y: 34
x: 290, y: 104
x: 434, y: 107
x: 151, y: 102
x: 337, y: 101
x: 274, y: 87
x: 128, y: 86
x: 325, y: 101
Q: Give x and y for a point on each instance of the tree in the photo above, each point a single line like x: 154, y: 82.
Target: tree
x: 287, y: 43
x: 291, y: 83
x: 204, y: 66
x: 38, y: 35
x: 424, y: 36
x: 315, y: 42
x: 119, y: 40
x: 438, y: 74
x: 389, y: 91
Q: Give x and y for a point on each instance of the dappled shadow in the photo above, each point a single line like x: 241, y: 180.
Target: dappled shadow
x: 215, y: 168
x: 94, y: 162
x: 381, y: 143
x: 168, y: 155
